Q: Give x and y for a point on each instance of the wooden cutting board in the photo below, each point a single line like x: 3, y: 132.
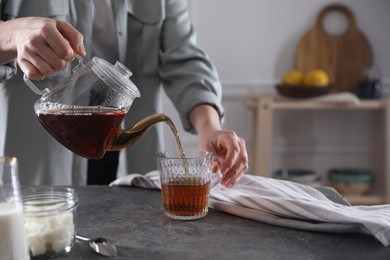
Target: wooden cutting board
x: 343, y: 57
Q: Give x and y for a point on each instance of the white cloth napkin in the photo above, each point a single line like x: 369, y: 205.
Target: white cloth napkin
x: 150, y: 180
x: 287, y: 204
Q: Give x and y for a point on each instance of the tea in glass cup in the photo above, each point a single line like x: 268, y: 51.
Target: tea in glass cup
x: 186, y: 179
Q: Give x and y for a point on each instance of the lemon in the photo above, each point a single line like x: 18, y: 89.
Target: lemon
x: 316, y: 78
x: 293, y: 78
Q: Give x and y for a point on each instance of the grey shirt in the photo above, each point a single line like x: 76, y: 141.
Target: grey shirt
x: 156, y: 41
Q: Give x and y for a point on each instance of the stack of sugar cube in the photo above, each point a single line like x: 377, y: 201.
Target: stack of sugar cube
x: 52, y: 233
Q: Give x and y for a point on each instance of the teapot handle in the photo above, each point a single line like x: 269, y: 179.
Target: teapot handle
x: 46, y: 90
x: 33, y: 87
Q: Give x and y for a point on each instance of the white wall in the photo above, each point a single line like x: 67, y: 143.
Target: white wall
x: 253, y: 42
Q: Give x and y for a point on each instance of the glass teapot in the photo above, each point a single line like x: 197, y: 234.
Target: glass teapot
x: 85, y: 111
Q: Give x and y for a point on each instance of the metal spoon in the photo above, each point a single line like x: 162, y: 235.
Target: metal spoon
x: 100, y: 245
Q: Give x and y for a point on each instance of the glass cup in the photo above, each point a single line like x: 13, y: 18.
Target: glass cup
x: 186, y: 183
x: 13, y: 240
x: 50, y: 219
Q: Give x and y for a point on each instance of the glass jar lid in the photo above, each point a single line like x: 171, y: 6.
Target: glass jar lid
x: 117, y: 75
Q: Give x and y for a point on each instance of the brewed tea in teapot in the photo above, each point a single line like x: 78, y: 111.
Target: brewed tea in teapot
x: 86, y: 131
x: 84, y: 112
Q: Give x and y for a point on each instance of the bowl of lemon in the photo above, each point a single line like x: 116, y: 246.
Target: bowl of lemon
x: 297, y: 84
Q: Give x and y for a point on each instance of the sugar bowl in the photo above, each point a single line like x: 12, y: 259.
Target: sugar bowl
x: 50, y: 219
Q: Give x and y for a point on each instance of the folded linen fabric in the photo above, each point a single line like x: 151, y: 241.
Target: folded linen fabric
x: 150, y: 180
x: 287, y: 204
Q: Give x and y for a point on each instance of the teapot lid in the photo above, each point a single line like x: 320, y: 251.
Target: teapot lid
x: 115, y: 75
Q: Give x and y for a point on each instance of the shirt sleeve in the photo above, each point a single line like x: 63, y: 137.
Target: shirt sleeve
x: 188, y: 75
x: 7, y: 70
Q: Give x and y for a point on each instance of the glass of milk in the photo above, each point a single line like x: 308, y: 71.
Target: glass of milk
x: 13, y: 240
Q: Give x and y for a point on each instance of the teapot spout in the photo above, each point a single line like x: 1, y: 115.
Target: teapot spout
x: 128, y: 137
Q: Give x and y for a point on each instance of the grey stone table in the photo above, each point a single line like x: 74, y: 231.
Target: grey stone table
x: 133, y: 220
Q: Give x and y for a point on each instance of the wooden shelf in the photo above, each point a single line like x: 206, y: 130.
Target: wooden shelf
x: 280, y: 103
x: 264, y: 105
x: 365, y: 199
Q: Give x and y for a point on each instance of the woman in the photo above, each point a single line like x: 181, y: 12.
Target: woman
x: 154, y: 39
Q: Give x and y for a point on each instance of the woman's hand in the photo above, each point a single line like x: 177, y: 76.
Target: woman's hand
x: 41, y: 45
x: 229, y: 150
